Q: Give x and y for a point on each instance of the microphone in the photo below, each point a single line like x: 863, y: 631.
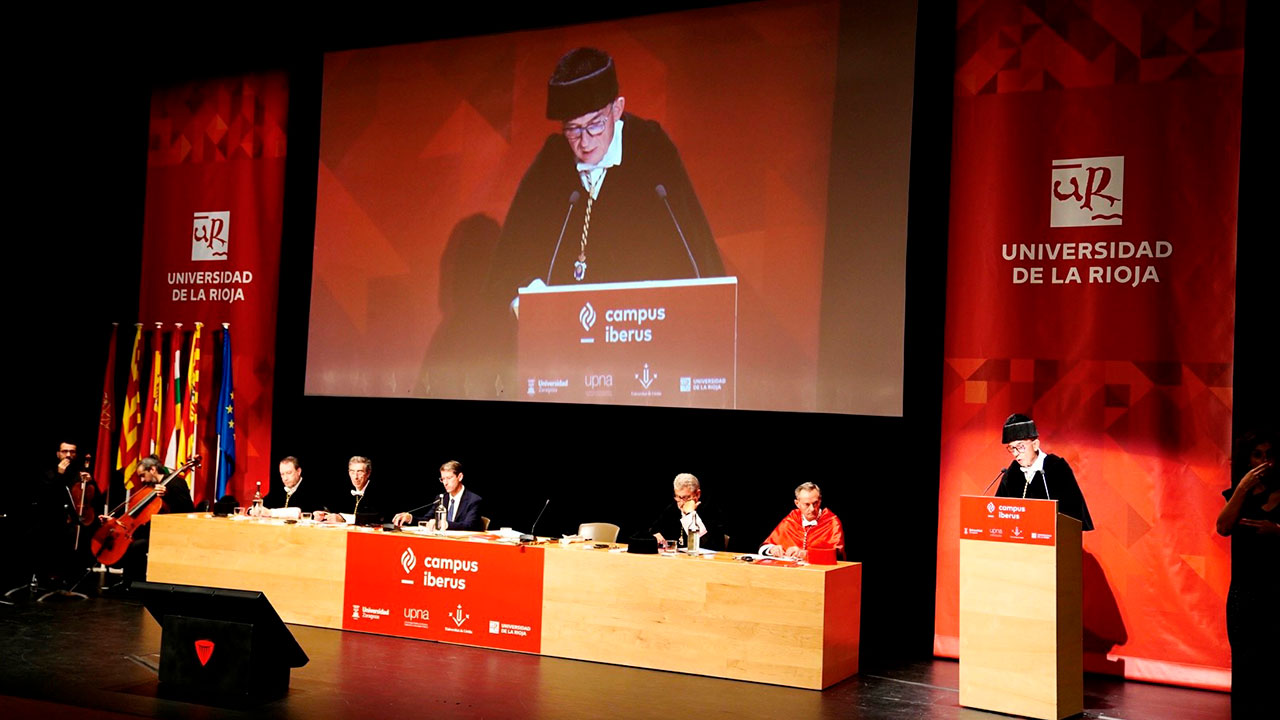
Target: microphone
x: 573, y: 200
x: 662, y: 193
x: 531, y: 537
x: 439, y: 499
x: 993, y: 480
x: 1045, y: 481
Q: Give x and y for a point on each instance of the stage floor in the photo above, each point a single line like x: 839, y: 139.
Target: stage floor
x: 97, y: 658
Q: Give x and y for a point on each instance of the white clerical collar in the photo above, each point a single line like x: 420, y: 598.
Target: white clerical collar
x: 593, y: 175
x: 289, y: 491
x: 1037, y: 466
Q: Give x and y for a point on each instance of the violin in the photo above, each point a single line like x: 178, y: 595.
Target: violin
x: 84, y: 496
x: 112, y: 539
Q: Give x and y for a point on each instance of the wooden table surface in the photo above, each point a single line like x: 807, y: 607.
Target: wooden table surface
x: 717, y: 615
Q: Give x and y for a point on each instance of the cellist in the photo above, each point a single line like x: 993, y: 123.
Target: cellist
x: 175, y: 497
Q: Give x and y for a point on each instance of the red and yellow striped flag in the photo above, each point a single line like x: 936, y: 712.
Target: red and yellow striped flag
x: 127, y: 455
x: 155, y: 397
x: 191, y: 410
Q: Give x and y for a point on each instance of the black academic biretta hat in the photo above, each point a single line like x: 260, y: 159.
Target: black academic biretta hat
x: 1018, y: 427
x: 584, y: 81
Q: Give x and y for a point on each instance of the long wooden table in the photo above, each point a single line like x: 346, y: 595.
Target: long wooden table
x: 795, y: 626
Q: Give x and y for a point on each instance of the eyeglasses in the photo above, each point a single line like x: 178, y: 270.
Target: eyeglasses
x: 1015, y: 448
x: 592, y: 128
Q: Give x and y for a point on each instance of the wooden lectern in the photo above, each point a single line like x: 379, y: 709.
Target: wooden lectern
x: 1021, y: 634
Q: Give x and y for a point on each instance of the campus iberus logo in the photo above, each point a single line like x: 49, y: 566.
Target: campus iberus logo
x: 1087, y: 191
x: 587, y: 316
x: 210, y: 235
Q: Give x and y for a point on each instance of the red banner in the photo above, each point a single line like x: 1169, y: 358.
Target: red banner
x: 1091, y: 275
x: 1024, y: 522
x: 456, y: 591
x: 211, y: 246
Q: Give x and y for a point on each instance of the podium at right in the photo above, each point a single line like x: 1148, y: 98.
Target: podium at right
x: 1021, y: 632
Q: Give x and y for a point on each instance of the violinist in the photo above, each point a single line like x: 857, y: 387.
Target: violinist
x: 52, y: 517
x: 175, y: 498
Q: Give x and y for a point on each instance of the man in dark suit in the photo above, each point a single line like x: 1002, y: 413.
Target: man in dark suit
x: 462, y: 506
x: 291, y: 493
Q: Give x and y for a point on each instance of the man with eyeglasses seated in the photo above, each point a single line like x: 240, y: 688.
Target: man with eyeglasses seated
x: 462, y: 506
x: 619, y: 172
x: 686, y: 516
x: 1038, y: 475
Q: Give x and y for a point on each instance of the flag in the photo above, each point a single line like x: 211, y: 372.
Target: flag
x: 191, y: 408
x: 131, y: 418
x: 226, y: 419
x: 102, y: 461
x: 172, y: 432
x: 155, y: 395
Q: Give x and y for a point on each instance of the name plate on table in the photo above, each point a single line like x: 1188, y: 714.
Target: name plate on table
x: 665, y: 342
x: 1012, y: 520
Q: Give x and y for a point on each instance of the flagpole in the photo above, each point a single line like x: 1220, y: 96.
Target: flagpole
x: 217, y: 478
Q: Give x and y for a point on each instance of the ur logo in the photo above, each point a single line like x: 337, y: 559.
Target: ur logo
x: 210, y: 235
x: 587, y: 316
x: 407, y: 560
x: 991, y: 507
x: 355, y: 612
x: 1087, y: 191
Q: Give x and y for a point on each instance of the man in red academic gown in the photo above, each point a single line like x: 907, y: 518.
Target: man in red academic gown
x: 808, y: 526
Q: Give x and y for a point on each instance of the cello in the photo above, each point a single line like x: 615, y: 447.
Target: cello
x: 112, y: 539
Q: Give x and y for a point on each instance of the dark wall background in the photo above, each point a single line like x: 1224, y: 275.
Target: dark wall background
x: 79, y: 114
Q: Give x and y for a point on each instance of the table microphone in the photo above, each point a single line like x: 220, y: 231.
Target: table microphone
x: 392, y: 527
x: 999, y: 475
x: 573, y: 200
x: 662, y: 193
x: 531, y: 537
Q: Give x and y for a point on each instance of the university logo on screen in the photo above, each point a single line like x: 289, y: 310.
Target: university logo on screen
x: 210, y: 235
x: 1086, y: 192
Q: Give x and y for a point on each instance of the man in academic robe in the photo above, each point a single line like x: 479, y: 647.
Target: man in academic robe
x: 607, y: 198
x: 808, y: 526
x: 368, y: 500
x: 292, y: 493
x: 1038, y: 475
x: 686, y: 516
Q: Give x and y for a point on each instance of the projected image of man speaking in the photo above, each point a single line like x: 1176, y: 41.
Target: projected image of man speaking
x: 606, y: 199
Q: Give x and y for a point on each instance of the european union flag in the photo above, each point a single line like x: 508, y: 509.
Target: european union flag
x: 226, y: 420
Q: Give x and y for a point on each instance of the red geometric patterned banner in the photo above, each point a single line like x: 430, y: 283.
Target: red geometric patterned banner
x: 211, y: 243
x: 1091, y: 285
